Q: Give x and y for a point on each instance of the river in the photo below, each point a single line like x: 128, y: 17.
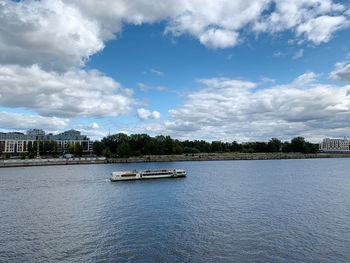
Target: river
x: 223, y: 211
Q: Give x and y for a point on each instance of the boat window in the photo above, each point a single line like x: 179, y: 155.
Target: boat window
x: 127, y: 175
x: 151, y: 174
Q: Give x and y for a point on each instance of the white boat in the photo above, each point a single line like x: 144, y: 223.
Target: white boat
x: 147, y: 174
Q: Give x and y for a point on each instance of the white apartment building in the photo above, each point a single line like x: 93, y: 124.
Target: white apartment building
x: 335, y: 145
x: 15, y: 143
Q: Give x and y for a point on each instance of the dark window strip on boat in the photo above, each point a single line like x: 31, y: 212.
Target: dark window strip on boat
x: 151, y: 174
x: 127, y: 175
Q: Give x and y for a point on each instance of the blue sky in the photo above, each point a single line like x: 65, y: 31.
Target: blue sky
x: 212, y: 70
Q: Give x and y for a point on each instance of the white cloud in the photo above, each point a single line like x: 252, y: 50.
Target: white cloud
x: 49, y: 33
x: 235, y: 110
x: 218, y: 38
x: 267, y: 80
x: 15, y: 121
x: 289, y: 14
x: 298, y: 54
x: 161, y: 88
x: 225, y: 82
x: 70, y: 94
x: 40, y: 38
x: 341, y: 72
x: 277, y: 54
x: 144, y: 114
x: 60, y: 34
x: 94, y: 125
x: 157, y: 72
x: 143, y: 87
x: 320, y: 29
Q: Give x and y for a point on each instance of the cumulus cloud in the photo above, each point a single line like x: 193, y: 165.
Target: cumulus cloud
x: 44, y: 44
x: 70, y: 94
x: 60, y: 34
x: 15, y: 121
x: 49, y: 33
x: 320, y: 29
x: 94, y: 125
x: 238, y: 110
x: 341, y: 72
x: 218, y: 38
x: 144, y: 114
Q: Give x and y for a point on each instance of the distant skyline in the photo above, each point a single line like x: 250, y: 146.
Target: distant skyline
x: 212, y: 70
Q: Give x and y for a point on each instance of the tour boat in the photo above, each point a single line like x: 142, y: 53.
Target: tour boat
x: 147, y: 174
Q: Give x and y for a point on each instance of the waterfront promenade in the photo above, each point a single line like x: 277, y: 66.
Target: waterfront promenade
x: 167, y: 158
x: 51, y: 161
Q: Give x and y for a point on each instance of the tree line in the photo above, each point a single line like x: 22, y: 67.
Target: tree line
x: 123, y: 145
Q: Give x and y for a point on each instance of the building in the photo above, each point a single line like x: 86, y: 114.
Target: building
x: 335, y: 145
x: 15, y: 143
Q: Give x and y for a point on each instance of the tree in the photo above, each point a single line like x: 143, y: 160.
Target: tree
x: 311, y: 147
x: 124, y: 150
x: 260, y: 147
x: 274, y: 145
x: 286, y: 147
x: 216, y: 146
x: 191, y: 150
x: 178, y: 148
x: 78, y: 149
x: 97, y: 148
x: 169, y: 145
x: 298, y: 144
x: 235, y: 147
x: 106, y: 153
x: 30, y: 147
x: 70, y: 149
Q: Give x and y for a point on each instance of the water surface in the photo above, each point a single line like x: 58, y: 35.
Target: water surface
x: 224, y: 211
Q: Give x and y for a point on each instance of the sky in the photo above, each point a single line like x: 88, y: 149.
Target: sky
x: 192, y: 69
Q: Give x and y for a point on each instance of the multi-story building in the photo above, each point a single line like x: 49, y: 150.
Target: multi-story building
x: 15, y: 143
x: 335, y: 145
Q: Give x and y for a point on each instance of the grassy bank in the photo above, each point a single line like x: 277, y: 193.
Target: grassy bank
x: 224, y: 156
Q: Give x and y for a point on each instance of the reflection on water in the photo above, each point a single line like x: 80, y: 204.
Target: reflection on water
x: 225, y: 211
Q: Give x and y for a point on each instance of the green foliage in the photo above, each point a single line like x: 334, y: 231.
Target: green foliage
x: 23, y: 156
x: 298, y: 144
x: 274, y: 145
x: 106, y: 152
x: 30, y: 149
x: 286, y: 147
x: 78, y: 150
x: 48, y: 148
x: 248, y: 150
x: 70, y: 148
x: 98, y: 148
x: 123, y: 146
x: 75, y: 149
x: 124, y: 150
x: 235, y: 147
x: 191, y: 150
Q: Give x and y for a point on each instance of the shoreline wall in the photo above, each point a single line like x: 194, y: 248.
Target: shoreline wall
x: 172, y: 158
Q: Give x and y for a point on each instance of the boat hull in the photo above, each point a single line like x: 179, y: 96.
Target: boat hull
x: 146, y: 174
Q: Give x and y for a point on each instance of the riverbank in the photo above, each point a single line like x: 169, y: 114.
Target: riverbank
x: 225, y: 156
x: 170, y: 158
x: 51, y: 161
